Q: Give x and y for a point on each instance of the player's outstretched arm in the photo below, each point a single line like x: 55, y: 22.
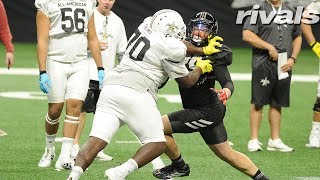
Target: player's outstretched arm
x: 202, y: 66
x: 212, y: 47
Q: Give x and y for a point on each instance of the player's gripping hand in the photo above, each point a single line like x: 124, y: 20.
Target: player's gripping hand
x: 222, y: 95
x: 316, y: 48
x: 100, y: 76
x: 213, y: 45
x: 205, y: 65
x: 44, y: 82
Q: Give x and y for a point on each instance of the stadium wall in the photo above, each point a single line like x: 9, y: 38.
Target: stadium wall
x: 21, y: 14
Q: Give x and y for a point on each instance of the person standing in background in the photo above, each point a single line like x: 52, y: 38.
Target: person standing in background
x: 276, y: 44
x: 314, y: 138
x: 6, y: 39
x: 6, y: 36
x: 65, y: 30
x: 113, y: 41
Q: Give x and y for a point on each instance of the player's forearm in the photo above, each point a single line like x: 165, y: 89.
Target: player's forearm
x: 191, y: 49
x: 42, y: 49
x: 307, y: 33
x: 190, y: 79
x: 95, y: 50
x: 296, y: 46
x: 255, y: 40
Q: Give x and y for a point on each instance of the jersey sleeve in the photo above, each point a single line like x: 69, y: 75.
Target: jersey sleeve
x: 175, y: 69
x: 175, y: 50
x: 91, y: 6
x: 42, y: 5
x: 254, y: 27
x: 122, y: 43
x: 173, y: 62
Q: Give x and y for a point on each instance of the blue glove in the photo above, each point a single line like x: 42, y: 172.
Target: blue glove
x: 100, y: 76
x: 44, y: 82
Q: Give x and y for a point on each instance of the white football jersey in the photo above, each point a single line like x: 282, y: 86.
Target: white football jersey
x: 149, y: 60
x: 109, y: 29
x: 68, y: 27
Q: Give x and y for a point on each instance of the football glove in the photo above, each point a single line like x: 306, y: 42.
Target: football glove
x: 44, y: 82
x: 212, y: 46
x: 222, y: 95
x: 316, y: 48
x: 100, y: 76
x: 205, y: 65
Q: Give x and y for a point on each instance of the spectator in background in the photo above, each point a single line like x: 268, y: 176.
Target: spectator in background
x: 64, y: 33
x: 5, y: 36
x: 113, y: 41
x: 314, y: 138
x: 267, y: 85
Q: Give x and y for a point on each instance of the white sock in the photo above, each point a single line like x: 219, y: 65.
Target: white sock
x: 315, y: 126
x: 76, y: 172
x: 50, y: 139
x: 128, y: 167
x: 66, y: 146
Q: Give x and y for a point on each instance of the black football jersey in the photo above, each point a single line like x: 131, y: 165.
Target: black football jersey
x: 200, y: 95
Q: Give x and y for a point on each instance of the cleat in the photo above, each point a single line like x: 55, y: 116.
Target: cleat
x: 64, y: 163
x: 103, y: 157
x: 278, y: 145
x: 74, y: 151
x: 170, y: 171
x: 254, y: 145
x: 314, y: 139
x: 112, y: 174
x: 47, y: 157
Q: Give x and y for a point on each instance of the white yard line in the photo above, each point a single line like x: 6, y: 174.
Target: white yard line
x: 235, y: 76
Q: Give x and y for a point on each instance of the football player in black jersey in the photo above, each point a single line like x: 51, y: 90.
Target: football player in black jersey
x: 204, y: 107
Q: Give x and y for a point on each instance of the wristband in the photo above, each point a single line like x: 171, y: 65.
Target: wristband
x: 42, y: 72
x: 100, y: 68
x: 312, y: 43
x: 294, y: 59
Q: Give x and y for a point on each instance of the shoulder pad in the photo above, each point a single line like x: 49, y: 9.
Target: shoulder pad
x: 40, y: 3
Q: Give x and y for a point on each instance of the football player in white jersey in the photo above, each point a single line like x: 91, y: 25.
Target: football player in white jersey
x: 314, y: 138
x: 113, y: 41
x: 65, y: 29
x: 154, y: 53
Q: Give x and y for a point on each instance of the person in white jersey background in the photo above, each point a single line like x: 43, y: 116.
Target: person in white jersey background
x: 113, y: 41
x: 314, y: 138
x: 65, y: 29
x: 154, y: 53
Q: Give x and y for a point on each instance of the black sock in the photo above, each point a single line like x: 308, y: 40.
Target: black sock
x: 260, y: 176
x: 179, y: 162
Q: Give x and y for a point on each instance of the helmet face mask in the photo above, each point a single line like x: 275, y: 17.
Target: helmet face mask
x: 201, y: 27
x: 169, y: 23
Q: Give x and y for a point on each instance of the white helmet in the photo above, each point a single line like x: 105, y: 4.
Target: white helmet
x: 169, y: 23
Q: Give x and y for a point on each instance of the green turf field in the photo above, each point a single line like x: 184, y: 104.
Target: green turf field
x: 23, y: 120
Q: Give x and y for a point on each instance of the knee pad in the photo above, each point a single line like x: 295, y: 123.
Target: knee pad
x: 52, y: 121
x: 71, y: 119
x: 316, y: 106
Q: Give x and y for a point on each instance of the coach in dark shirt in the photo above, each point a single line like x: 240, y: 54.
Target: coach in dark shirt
x: 267, y: 88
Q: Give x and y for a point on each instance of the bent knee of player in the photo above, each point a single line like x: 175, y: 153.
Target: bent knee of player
x: 54, y: 110
x: 223, y: 151
x: 167, y: 129
x: 74, y: 107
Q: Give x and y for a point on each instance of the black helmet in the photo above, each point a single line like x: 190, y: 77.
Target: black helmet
x: 201, y: 20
